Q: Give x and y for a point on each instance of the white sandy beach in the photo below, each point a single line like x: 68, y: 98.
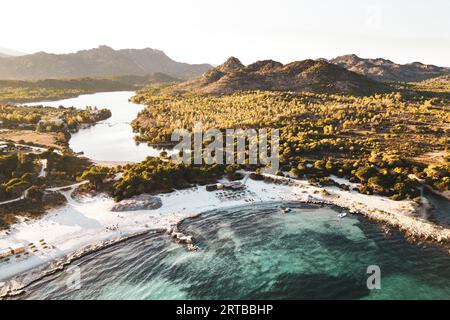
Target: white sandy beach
x: 85, y: 224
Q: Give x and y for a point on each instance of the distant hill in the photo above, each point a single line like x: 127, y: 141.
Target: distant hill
x: 100, y: 62
x: 17, y: 91
x: 307, y: 75
x: 386, y: 70
x: 5, y: 52
x: 442, y: 79
x: 96, y: 84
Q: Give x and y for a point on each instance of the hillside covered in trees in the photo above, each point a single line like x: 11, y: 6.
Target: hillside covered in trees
x: 20, y: 173
x: 374, y: 140
x: 19, y: 91
x: 59, y: 122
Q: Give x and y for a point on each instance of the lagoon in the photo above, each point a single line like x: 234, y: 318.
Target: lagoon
x: 112, y: 139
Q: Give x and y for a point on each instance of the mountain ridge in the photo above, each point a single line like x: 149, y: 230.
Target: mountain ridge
x: 381, y: 69
x: 5, y: 52
x: 306, y: 75
x: 98, y: 62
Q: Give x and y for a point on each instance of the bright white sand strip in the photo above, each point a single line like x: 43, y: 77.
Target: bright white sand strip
x: 86, y: 221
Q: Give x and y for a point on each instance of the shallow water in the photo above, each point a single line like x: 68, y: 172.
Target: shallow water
x: 112, y: 139
x: 257, y: 252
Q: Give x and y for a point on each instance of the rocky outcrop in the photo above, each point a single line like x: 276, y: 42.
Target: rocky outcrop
x: 181, y: 238
x: 299, y: 76
x: 386, y: 70
x: 141, y: 202
x: 232, y: 64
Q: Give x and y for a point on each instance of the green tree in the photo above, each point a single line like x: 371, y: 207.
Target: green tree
x: 96, y: 176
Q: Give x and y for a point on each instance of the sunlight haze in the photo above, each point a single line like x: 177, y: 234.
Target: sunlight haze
x: 210, y: 31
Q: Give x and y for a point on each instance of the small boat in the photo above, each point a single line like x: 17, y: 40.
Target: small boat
x: 342, y: 215
x: 286, y: 210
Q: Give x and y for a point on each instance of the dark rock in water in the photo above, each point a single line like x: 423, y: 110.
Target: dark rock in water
x: 141, y: 202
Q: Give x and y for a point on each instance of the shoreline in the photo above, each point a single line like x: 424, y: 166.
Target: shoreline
x: 111, y: 164
x: 17, y: 285
x: 81, y: 227
x: 22, y: 102
x: 443, y: 194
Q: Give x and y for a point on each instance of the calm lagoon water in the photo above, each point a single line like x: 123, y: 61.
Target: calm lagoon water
x: 257, y: 252
x: 112, y: 139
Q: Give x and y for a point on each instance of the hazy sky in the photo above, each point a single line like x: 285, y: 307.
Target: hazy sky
x: 212, y: 30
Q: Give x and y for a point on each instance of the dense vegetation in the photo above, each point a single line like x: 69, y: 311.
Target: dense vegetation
x: 156, y: 175
x: 437, y: 175
x: 311, y: 125
x: 372, y: 140
x: 386, y: 175
x: 60, y: 120
x: 20, y: 174
x: 19, y: 170
x: 16, y: 91
x: 17, y: 173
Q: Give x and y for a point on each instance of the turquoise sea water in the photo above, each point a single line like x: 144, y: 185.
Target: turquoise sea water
x: 258, y: 252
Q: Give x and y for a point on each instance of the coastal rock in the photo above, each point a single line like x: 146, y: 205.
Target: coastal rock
x: 181, y: 238
x: 185, y: 239
x: 192, y: 247
x: 177, y: 235
x: 141, y: 202
x: 169, y: 230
